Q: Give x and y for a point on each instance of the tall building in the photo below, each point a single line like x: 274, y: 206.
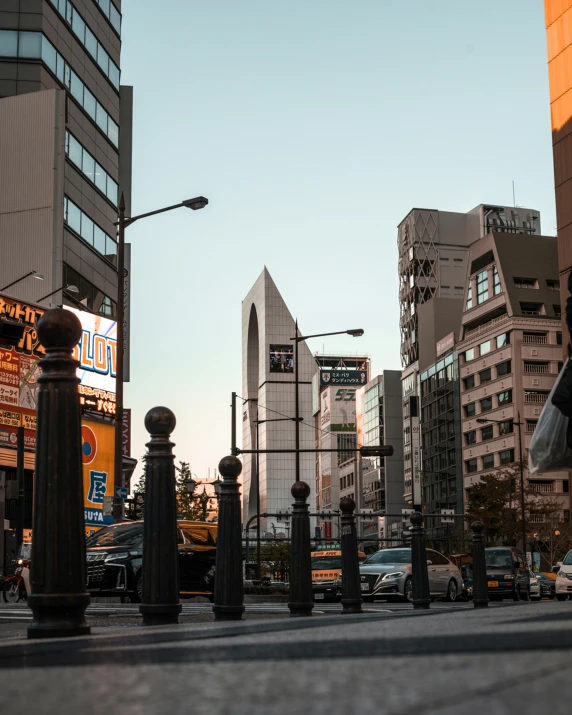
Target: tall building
x: 380, y: 422
x: 558, y: 15
x: 65, y: 150
x: 510, y: 353
x: 335, y: 412
x: 268, y: 393
x: 433, y: 247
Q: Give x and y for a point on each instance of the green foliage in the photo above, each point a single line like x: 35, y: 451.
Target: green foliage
x: 193, y: 507
x: 261, y: 590
x: 275, y: 558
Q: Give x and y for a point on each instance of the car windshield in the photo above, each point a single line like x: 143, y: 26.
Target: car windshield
x: 498, y: 558
x: 390, y: 556
x: 124, y: 535
x: 326, y: 562
x: 568, y: 559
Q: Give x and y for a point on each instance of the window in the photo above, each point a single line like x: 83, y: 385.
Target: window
x: 488, y: 461
x: 506, y: 456
x: 505, y: 397
x: 558, y: 338
x: 525, y: 283
x: 506, y: 428
x: 486, y: 404
x: 531, y: 308
x: 471, y: 465
x: 469, y: 382
x: 485, y: 347
x: 469, y: 304
x: 85, y: 162
x: 91, y: 233
x: 553, y: 284
x: 470, y: 354
x: 503, y: 368
x: 93, y: 299
x: 436, y: 558
x: 557, y: 310
x: 485, y: 376
x: 111, y: 13
x: 482, y: 287
x: 496, y: 281
x: 470, y: 409
x: 486, y: 433
x: 471, y: 437
x: 34, y: 45
x: 503, y: 340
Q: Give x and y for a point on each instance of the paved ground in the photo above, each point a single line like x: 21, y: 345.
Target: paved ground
x: 510, y: 658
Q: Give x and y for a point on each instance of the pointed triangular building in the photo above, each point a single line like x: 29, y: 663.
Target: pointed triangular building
x: 269, y: 390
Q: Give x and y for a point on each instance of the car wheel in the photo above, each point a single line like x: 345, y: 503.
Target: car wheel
x: 516, y: 594
x: 408, y: 590
x: 561, y: 597
x: 452, y: 591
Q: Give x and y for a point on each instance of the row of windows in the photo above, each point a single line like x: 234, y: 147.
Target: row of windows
x: 503, y: 368
x: 438, y: 407
x: 111, y: 13
x: 34, y: 45
x: 534, y: 284
x: 487, y: 432
x: 486, y: 404
x: 88, y: 40
x: 347, y: 481
x: 89, y: 167
x: 89, y: 295
x: 484, y: 348
x: 92, y: 234
x: 482, y: 282
x: 506, y: 456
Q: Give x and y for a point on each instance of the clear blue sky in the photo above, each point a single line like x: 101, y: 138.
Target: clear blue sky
x: 313, y: 128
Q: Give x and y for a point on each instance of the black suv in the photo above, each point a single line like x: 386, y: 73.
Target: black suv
x: 507, y: 573
x: 115, y: 558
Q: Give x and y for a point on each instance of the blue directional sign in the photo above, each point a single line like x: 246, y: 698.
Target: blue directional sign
x: 121, y: 492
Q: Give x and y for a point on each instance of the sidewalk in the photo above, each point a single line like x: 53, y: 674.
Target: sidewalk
x: 506, y: 659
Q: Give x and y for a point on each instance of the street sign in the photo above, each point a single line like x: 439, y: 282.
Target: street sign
x: 107, y: 506
x: 446, y: 519
x: 121, y: 492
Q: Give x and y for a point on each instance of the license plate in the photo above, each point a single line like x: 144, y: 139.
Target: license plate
x: 365, y: 587
x: 493, y: 584
x: 319, y: 596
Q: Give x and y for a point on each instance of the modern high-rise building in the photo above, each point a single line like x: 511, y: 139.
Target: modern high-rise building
x: 433, y: 249
x: 510, y: 354
x: 558, y: 15
x: 380, y: 422
x: 65, y: 150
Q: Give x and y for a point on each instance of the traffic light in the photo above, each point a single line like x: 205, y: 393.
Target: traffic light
x: 379, y: 451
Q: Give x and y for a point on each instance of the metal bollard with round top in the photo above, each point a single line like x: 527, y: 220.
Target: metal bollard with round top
x: 160, y: 572
x: 480, y: 581
x: 419, y: 575
x: 351, y: 584
x: 58, y: 569
x: 301, y: 602
x: 229, y: 584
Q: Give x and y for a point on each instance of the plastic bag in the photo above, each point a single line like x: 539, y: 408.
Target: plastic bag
x: 549, y: 451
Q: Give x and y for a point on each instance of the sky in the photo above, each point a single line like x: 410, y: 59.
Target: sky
x: 313, y: 128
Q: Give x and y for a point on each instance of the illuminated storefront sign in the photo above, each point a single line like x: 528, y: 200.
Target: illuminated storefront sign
x: 97, y: 450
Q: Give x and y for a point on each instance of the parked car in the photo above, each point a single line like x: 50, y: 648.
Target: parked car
x: 547, y: 584
x: 115, y: 559
x: 507, y: 573
x: 326, y: 570
x: 387, y: 573
x: 535, y: 578
x: 563, y: 584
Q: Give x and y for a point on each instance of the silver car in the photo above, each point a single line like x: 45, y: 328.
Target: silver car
x: 387, y: 573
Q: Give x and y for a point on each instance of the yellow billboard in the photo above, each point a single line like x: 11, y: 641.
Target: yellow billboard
x: 97, y: 454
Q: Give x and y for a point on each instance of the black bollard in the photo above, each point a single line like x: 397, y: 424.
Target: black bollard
x: 419, y: 573
x: 351, y: 583
x: 229, y: 584
x: 480, y: 581
x: 301, y: 603
x: 58, y: 572
x: 160, y: 573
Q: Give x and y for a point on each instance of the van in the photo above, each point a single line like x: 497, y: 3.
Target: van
x: 326, y: 570
x: 507, y: 573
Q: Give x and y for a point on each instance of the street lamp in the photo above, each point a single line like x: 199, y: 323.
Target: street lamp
x: 518, y: 424
x: 65, y: 287
x: 355, y: 333
x: 34, y: 274
x: 195, y: 204
x: 190, y: 486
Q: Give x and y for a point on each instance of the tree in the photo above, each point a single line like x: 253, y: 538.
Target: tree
x: 489, y: 501
x: 275, y: 558
x: 137, y: 510
x: 194, y: 507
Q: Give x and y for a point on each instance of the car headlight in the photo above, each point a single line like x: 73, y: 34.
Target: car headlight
x: 117, y: 557
x: 509, y: 577
x: 393, y: 574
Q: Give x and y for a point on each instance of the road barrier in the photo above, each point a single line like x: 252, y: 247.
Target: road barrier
x: 351, y: 582
x: 419, y: 573
x: 480, y: 581
x: 301, y: 601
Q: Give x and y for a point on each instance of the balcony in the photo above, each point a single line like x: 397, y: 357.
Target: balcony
x: 534, y: 339
x: 533, y: 369
x: 486, y: 326
x: 530, y: 428
x: 535, y: 398
x: 547, y: 488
